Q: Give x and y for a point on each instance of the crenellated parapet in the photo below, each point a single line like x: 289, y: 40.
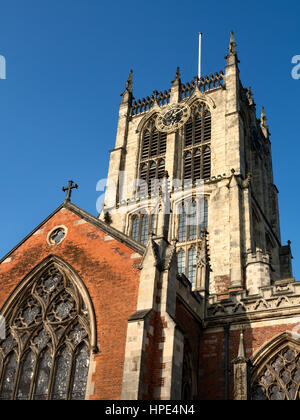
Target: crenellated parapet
x: 186, y: 90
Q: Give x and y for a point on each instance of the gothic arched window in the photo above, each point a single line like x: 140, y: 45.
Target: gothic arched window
x: 47, y: 349
x: 197, y: 137
x: 192, y: 224
x: 192, y: 265
x: 192, y: 220
x: 152, y: 163
x: 277, y: 376
x: 141, y: 225
x: 181, y: 261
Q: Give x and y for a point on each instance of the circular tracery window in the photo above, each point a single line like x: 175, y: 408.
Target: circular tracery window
x: 57, y: 235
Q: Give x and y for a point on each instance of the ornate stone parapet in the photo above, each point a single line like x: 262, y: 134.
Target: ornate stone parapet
x: 281, y: 298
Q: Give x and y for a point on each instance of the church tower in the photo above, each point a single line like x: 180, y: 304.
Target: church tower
x: 199, y: 151
x: 180, y: 289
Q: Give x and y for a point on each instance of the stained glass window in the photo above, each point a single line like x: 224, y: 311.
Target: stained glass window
x: 46, y: 353
x: 280, y: 377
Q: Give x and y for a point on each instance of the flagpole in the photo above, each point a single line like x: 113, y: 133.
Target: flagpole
x: 199, y: 58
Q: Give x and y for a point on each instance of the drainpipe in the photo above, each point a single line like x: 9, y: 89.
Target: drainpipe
x: 226, y: 360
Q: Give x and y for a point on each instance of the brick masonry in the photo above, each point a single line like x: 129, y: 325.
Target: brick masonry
x: 110, y: 275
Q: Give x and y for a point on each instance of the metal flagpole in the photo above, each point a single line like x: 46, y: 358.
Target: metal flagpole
x: 199, y: 62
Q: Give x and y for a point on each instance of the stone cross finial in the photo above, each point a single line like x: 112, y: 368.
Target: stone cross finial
x: 69, y: 189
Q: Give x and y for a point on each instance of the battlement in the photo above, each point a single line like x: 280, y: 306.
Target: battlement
x: 204, y: 84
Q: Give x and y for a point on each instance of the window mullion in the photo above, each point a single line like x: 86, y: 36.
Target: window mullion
x: 193, y: 130
x: 17, y: 378
x: 69, y: 382
x: 140, y: 216
x: 33, y: 380
x: 52, y: 376
x: 202, y: 162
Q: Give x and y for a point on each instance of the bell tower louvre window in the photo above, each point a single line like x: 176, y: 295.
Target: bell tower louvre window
x: 196, y: 148
x: 152, y: 160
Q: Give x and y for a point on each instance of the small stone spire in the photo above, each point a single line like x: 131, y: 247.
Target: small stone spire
x: 232, y: 44
x: 232, y: 54
x: 250, y: 96
x: 263, y: 123
x: 127, y: 94
x: 129, y: 81
x: 241, y: 353
x: 177, y: 77
x: 263, y: 117
x: 175, y: 88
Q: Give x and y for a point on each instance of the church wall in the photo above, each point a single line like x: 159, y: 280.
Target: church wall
x: 212, y: 353
x: 109, y: 270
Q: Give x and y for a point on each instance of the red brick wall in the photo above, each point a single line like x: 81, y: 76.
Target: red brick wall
x: 212, y: 354
x: 110, y: 275
x: 152, y: 376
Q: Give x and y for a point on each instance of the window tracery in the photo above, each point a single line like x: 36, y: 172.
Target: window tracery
x: 191, y: 225
x: 152, y: 162
x: 279, y: 378
x: 142, y: 225
x: 46, y: 352
x: 197, y: 137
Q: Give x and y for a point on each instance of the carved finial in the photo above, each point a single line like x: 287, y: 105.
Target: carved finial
x: 232, y: 53
x: 176, y: 81
x: 232, y: 44
x: 127, y: 94
x: 263, y: 117
x: 250, y: 96
x: 129, y: 81
x: 241, y: 353
x: 263, y: 123
x: 156, y: 93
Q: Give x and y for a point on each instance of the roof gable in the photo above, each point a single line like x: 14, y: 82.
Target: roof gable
x: 89, y: 218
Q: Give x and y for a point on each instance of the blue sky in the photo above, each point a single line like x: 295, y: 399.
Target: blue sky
x: 67, y: 63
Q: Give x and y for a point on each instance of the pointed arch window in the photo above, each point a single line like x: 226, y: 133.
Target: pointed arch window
x: 279, y: 377
x: 141, y: 226
x: 197, y: 137
x: 47, y: 349
x: 181, y: 261
x: 193, y: 221
x: 192, y: 265
x: 152, y: 162
x: 192, y: 225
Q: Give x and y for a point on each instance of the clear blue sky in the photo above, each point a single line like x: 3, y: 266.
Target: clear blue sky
x: 67, y: 63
